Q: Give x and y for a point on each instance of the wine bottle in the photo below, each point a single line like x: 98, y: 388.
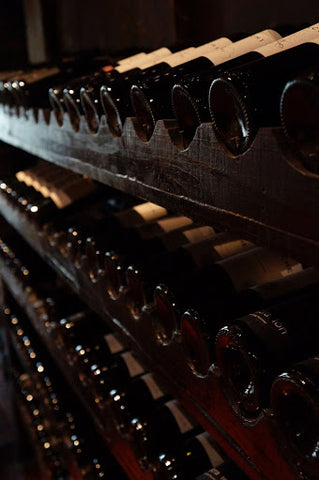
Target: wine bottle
x: 116, y: 263
x: 294, y: 401
x: 71, y: 329
x: 30, y: 88
x: 79, y: 223
x: 299, y: 114
x: 108, y: 373
x: 226, y: 471
x: 186, y: 286
x: 67, y: 199
x: 176, y: 267
x: 198, y: 330
x: 6, y: 96
x: 56, y: 92
x: 195, y: 456
x: 71, y: 93
x: 247, y: 97
x: 189, y: 94
x: 255, y: 348
x: 115, y: 96
x: 167, y: 427
x: 141, y: 397
x: 110, y: 230
x: 153, y: 237
x: 98, y: 349
x: 90, y: 95
x: 152, y: 99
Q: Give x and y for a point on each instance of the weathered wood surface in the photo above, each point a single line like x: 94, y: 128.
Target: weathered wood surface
x: 260, y: 195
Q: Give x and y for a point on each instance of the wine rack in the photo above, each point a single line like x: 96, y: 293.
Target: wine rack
x: 120, y: 448
x: 266, y: 195
x: 253, y: 446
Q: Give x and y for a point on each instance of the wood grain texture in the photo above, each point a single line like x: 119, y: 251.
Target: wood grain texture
x: 264, y: 195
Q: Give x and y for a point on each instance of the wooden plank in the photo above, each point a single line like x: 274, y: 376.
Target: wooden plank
x: 265, y: 195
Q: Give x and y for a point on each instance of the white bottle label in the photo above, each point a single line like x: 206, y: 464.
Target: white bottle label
x: 148, y: 61
x: 180, y: 57
x: 214, y: 457
x: 310, y: 34
x: 242, y: 46
x: 222, y: 42
x: 133, y: 365
x: 114, y: 344
x: 233, y: 247
x: 187, y: 54
x: 256, y: 267
x: 133, y: 58
x: 154, y: 388
x: 184, y: 424
x: 197, y: 234
x: 150, y: 211
x: 169, y: 224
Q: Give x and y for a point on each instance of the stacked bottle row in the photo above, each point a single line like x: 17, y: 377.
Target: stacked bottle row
x: 166, y: 440
x: 71, y: 448
x: 223, y: 279
x: 235, y: 83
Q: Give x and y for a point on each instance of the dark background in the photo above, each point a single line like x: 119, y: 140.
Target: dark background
x: 41, y: 30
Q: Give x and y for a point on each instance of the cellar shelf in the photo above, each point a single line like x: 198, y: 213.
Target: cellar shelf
x: 266, y: 195
x: 118, y: 446
x: 253, y: 447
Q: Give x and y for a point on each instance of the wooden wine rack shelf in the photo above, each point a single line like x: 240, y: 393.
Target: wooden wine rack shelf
x: 118, y: 446
x: 265, y: 195
x: 253, y: 446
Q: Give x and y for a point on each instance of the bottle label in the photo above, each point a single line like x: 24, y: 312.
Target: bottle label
x: 154, y: 388
x: 310, y: 34
x: 170, y: 224
x: 233, y: 247
x: 256, y: 267
x: 69, y: 193
x: 114, y: 344
x: 270, y: 329
x: 220, y: 246
x: 149, y: 211
x: 289, y: 284
x: 222, y: 43
x: 133, y: 58
x: 191, y: 53
x: 184, y: 424
x: 242, y: 46
x: 133, y: 365
x: 213, y: 455
x: 197, y: 234
x: 148, y: 61
x: 40, y: 74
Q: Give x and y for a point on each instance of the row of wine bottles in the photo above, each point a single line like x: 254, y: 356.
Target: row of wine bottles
x: 179, y: 449
x: 71, y: 449
x: 250, y: 352
x: 235, y: 83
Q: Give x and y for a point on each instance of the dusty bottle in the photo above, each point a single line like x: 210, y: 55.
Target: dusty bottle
x: 247, y: 97
x: 294, y: 401
x: 255, y: 348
